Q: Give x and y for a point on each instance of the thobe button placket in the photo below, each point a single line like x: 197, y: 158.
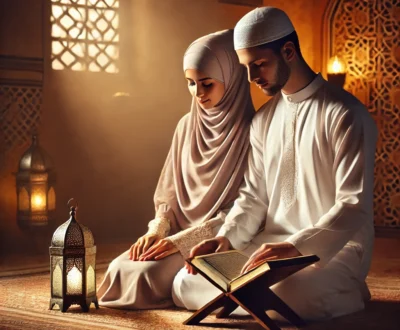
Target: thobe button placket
x: 289, y: 167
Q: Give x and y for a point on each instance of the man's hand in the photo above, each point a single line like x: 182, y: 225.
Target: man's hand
x: 270, y: 251
x: 160, y: 250
x: 217, y: 244
x: 142, y: 245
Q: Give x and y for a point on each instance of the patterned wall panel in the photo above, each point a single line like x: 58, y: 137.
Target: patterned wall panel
x: 365, y: 34
x: 20, y: 110
x: 21, y: 92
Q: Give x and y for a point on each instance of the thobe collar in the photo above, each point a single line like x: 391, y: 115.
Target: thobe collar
x: 306, y: 92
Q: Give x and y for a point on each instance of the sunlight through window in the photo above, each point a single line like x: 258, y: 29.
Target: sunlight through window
x: 85, y: 35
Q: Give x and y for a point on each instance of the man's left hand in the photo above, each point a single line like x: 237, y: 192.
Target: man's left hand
x: 162, y: 249
x: 270, y: 251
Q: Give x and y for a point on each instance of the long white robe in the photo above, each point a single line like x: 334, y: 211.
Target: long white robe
x: 332, y: 214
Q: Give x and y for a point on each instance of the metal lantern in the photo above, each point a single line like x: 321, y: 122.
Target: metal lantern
x: 36, y: 197
x: 73, y: 265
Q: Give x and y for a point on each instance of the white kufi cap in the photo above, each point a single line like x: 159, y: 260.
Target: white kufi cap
x: 260, y: 26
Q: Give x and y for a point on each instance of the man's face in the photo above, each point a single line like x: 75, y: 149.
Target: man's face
x: 267, y: 69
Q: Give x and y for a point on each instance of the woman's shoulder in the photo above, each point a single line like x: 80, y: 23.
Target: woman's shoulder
x: 184, y: 119
x: 182, y: 125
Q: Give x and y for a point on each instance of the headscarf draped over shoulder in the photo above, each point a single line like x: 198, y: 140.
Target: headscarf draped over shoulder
x: 208, y: 155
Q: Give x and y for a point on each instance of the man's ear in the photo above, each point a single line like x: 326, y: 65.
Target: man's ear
x: 288, y: 51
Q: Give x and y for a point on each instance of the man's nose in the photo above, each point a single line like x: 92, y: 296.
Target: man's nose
x: 252, y: 74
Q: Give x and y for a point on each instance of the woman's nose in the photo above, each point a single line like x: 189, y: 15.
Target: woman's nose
x: 199, y: 91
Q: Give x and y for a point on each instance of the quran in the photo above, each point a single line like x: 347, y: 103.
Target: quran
x: 223, y: 269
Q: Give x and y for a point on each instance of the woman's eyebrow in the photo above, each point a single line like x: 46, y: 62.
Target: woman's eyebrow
x: 202, y: 79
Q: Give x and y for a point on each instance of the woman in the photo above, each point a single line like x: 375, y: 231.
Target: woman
x: 199, y: 181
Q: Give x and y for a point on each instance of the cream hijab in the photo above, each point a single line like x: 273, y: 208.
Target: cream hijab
x: 208, y: 155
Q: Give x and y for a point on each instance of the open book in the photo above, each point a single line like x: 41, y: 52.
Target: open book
x: 223, y: 268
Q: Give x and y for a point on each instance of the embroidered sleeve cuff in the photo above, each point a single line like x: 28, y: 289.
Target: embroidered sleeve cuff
x: 159, y: 227
x: 187, y: 239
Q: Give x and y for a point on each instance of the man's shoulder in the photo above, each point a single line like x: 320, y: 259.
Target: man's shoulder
x: 339, y: 104
x: 337, y: 99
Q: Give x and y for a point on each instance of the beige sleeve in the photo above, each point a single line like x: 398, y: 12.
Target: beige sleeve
x: 185, y: 240
x: 160, y: 226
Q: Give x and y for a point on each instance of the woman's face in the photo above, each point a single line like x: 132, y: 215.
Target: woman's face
x: 207, y: 91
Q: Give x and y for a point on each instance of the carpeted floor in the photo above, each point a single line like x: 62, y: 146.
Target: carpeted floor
x: 24, y: 305
x: 24, y: 301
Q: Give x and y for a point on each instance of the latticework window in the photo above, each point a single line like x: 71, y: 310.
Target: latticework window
x: 85, y: 35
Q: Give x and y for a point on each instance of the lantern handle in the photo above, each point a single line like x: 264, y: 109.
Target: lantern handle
x: 75, y: 207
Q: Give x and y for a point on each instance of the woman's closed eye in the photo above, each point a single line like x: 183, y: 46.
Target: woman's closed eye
x: 192, y: 83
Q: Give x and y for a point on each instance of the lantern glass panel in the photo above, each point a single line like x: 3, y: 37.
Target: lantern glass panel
x: 74, y: 281
x: 57, y: 276
x: 38, y: 197
x: 23, y: 199
x: 90, y: 281
x: 74, y: 276
x: 51, y: 199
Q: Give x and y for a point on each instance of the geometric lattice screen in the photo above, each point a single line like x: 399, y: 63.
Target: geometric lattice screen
x: 20, y: 111
x: 366, y: 35
x: 85, y: 35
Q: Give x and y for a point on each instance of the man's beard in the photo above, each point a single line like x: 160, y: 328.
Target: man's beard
x: 281, y: 77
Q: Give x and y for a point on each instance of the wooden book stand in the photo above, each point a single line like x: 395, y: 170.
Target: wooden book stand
x: 256, y: 298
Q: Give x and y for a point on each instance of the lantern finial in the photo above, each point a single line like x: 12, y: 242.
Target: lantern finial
x: 73, y: 208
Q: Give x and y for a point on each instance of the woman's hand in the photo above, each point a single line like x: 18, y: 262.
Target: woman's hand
x: 270, y: 251
x: 142, y: 245
x: 162, y: 249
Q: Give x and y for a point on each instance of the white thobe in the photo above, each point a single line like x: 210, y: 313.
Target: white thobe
x: 333, y: 139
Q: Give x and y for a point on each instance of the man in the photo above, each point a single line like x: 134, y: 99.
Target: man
x: 308, y: 188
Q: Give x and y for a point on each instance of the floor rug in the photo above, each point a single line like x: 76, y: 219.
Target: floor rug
x: 24, y: 302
